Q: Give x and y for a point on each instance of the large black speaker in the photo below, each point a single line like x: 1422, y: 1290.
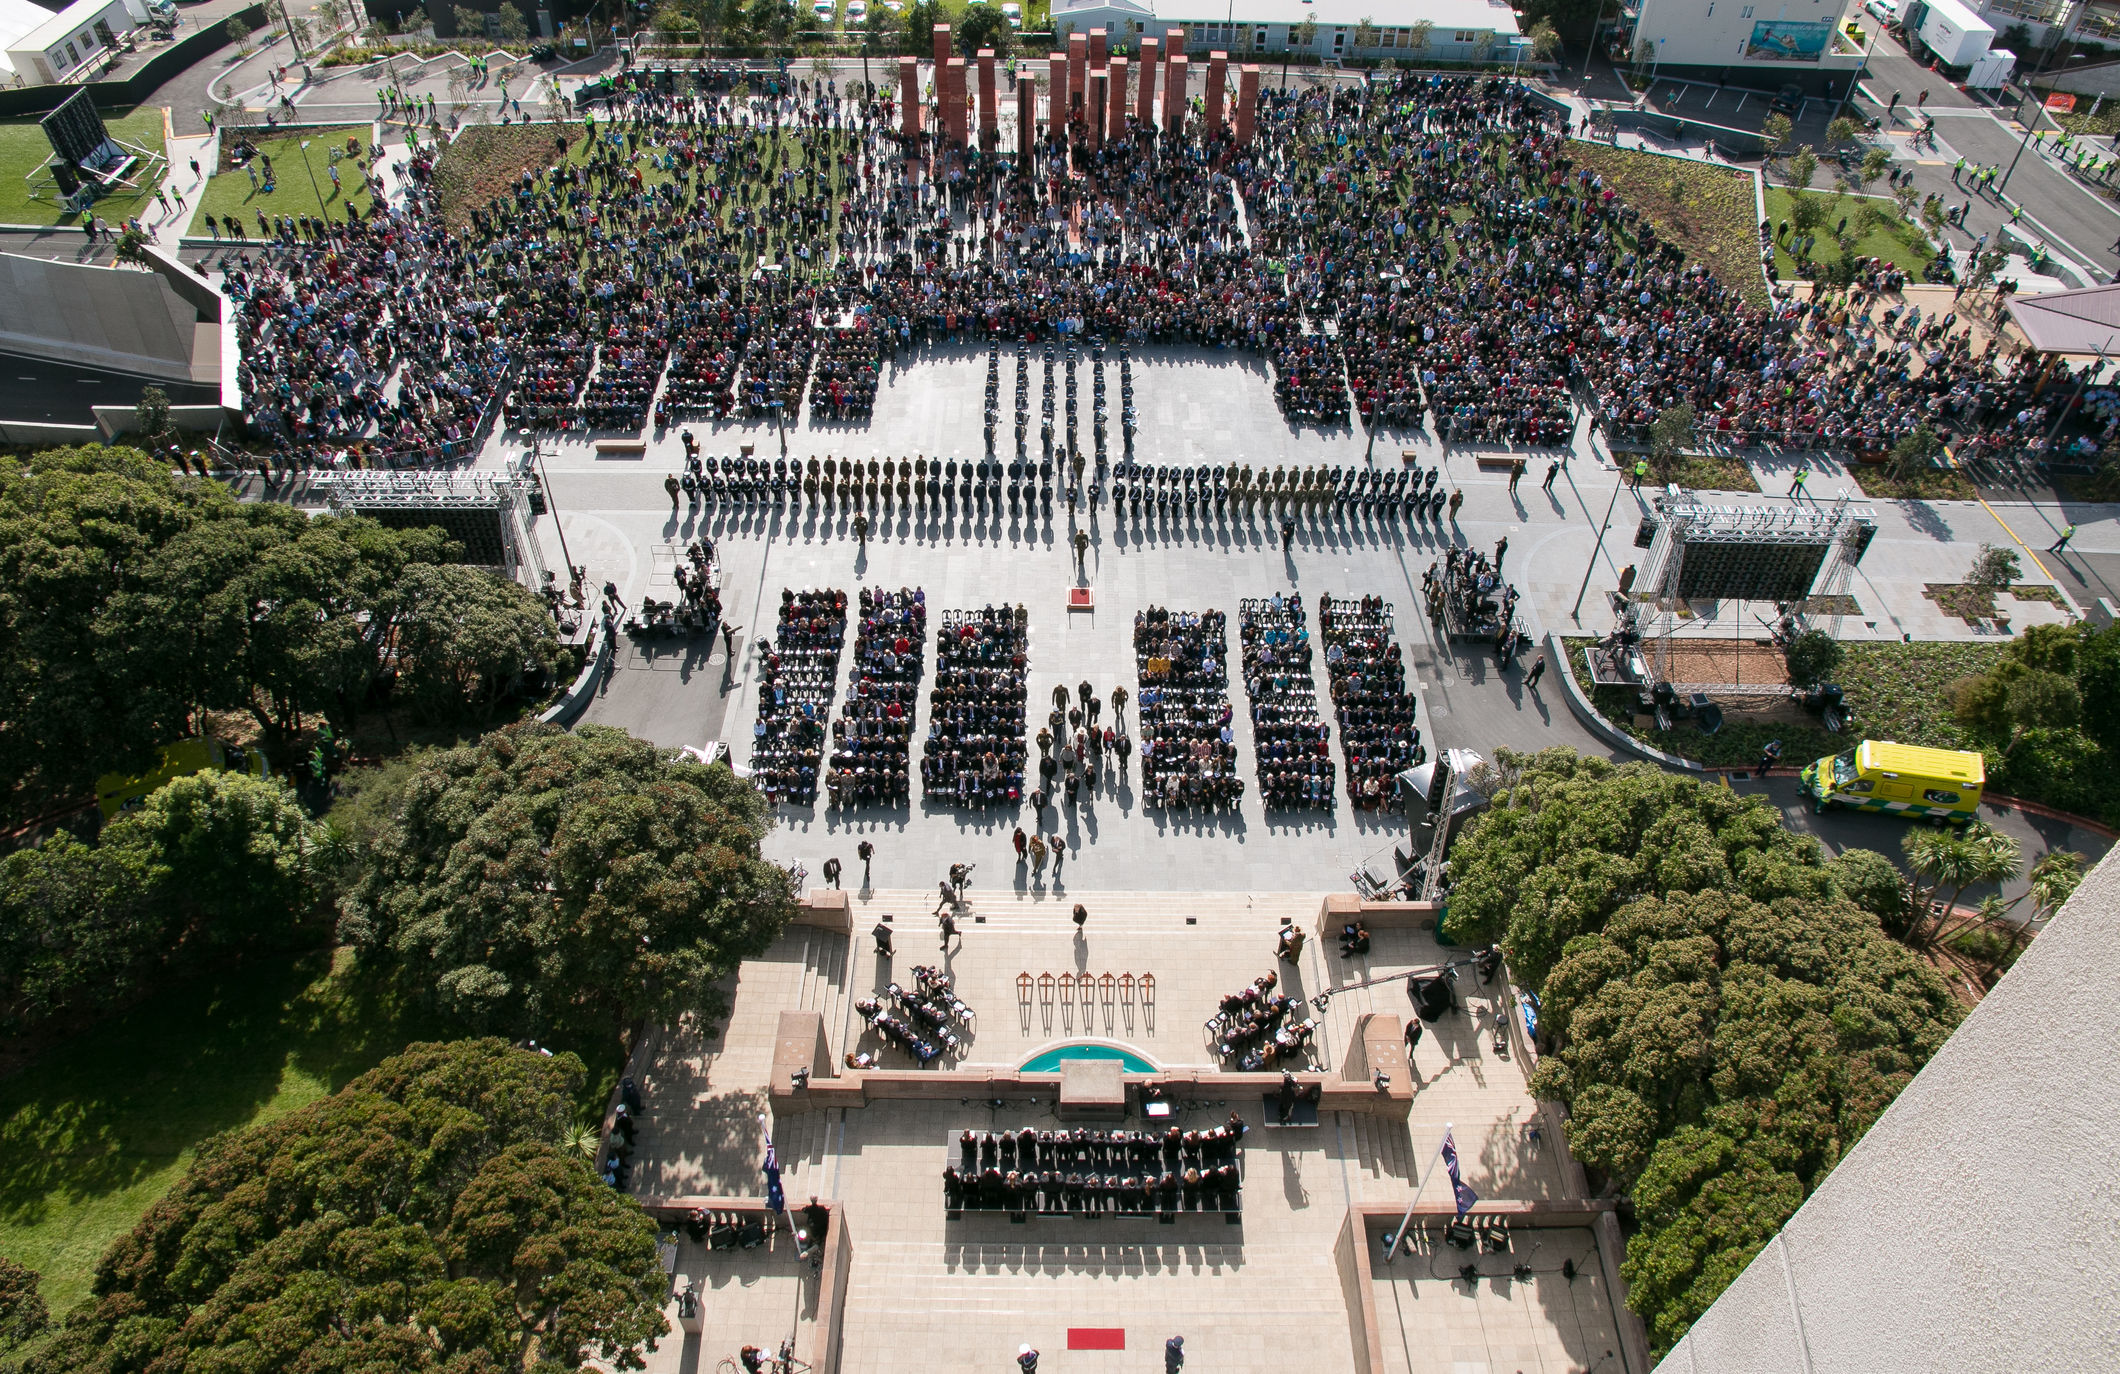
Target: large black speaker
x: 1432, y: 997
x: 1750, y: 572
x: 75, y: 129
x: 69, y: 180
x: 1865, y: 531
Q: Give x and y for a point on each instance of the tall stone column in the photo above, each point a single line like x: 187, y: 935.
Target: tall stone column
x: 1026, y: 118
x: 1173, y: 43
x: 1217, y: 76
x: 989, y: 103
x: 1077, y: 66
x: 941, y: 38
x: 1115, y: 118
x: 1093, y: 103
x: 1174, y: 92
x: 1098, y: 53
x: 1056, y: 92
x: 1247, y: 101
x: 909, y: 96
x: 1145, y: 103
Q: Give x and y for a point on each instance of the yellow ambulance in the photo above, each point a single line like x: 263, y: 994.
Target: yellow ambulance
x: 1943, y: 785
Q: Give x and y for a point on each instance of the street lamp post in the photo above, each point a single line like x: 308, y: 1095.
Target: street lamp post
x: 2032, y: 124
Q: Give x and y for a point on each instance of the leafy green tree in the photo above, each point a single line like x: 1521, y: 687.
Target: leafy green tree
x: 237, y: 32
x: 1916, y: 452
x: 515, y: 25
x: 78, y: 932
x: 982, y: 25
x: 1807, y: 211
x: 1875, y: 163
x: 1812, y: 658
x: 151, y: 415
x: 22, y: 1310
x: 1993, y: 568
x: 771, y: 20
x: 76, y: 526
x: 1718, y: 1054
x: 2098, y: 681
x: 1575, y: 838
x: 543, y: 878
x: 229, y: 857
x: 1775, y: 134
x: 468, y: 639
x: 1545, y: 41
x: 1802, y: 168
x: 921, y: 17
x: 1671, y: 434
x: 1873, y: 882
x: 469, y: 23
x: 1303, y: 37
x: 1839, y: 131
x: 424, y: 1218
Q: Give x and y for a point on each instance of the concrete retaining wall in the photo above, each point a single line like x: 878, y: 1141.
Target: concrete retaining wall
x: 1604, y: 729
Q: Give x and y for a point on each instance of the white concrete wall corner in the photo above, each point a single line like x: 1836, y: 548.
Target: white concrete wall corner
x: 1973, y: 1228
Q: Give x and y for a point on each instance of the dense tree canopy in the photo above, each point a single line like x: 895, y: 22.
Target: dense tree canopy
x: 1578, y: 838
x: 468, y: 639
x: 542, y: 878
x: 424, y: 1218
x: 1722, y: 1013
x: 22, y: 1311
x: 132, y: 601
x: 212, y: 865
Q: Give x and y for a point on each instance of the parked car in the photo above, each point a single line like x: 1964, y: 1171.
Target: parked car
x: 1788, y: 99
x: 1886, y: 11
x: 857, y: 11
x: 824, y: 10
x: 1014, y: 14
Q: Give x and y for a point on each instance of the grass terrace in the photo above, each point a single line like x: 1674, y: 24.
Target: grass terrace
x: 229, y: 191
x: 1708, y: 210
x: 23, y: 148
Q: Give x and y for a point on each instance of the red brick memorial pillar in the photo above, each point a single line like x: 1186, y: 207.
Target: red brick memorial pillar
x: 1174, y: 92
x: 1145, y: 103
x: 909, y: 96
x: 1247, y: 102
x: 989, y: 103
x: 1026, y: 117
x: 1077, y: 64
x: 1115, y: 119
x: 1217, y: 76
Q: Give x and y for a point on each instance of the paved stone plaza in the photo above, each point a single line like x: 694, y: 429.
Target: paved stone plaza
x: 924, y: 1292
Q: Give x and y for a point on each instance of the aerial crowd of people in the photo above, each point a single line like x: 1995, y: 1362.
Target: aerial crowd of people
x: 1428, y: 252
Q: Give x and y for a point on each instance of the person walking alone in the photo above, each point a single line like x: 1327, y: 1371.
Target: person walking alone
x: 864, y: 852
x: 1022, y: 844
x: 1796, y: 486
x: 1059, y: 854
x: 1538, y: 670
x: 2068, y: 532
x: 1516, y: 474
x: 1081, y: 915
x: 832, y: 871
x: 1553, y: 470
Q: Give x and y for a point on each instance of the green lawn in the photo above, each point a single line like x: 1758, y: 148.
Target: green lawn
x: 23, y: 147
x: 93, y: 1133
x: 1897, y: 242
x: 230, y: 192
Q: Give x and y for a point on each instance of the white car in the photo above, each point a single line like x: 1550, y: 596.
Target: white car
x: 857, y: 11
x: 1887, y: 11
x: 824, y: 9
x: 1014, y: 14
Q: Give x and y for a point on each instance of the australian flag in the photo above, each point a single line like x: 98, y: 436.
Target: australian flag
x: 777, y: 1198
x: 1465, y: 1196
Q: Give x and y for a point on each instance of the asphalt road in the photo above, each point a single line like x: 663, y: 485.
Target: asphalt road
x: 60, y: 393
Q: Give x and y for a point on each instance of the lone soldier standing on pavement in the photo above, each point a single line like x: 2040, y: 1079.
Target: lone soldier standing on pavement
x: 864, y: 852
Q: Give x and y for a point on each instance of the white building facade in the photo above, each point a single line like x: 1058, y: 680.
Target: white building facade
x: 1757, y: 43
x: 1412, y: 32
x: 73, y: 44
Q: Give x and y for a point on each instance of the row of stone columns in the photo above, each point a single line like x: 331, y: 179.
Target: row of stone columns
x: 1082, y: 82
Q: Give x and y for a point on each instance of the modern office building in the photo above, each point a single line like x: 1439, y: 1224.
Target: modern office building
x: 1412, y: 32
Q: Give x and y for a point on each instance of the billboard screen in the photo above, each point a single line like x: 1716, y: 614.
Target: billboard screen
x: 1776, y: 40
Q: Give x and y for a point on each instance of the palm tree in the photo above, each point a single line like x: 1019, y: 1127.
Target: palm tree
x: 1978, y: 854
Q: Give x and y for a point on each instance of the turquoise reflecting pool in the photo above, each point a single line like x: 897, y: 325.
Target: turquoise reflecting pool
x: 1049, y: 1062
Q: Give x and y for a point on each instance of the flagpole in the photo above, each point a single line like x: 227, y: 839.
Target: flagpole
x: 1399, y: 1237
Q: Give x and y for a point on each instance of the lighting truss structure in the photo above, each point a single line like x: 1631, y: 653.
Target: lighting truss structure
x: 488, y: 512
x: 1684, y: 520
